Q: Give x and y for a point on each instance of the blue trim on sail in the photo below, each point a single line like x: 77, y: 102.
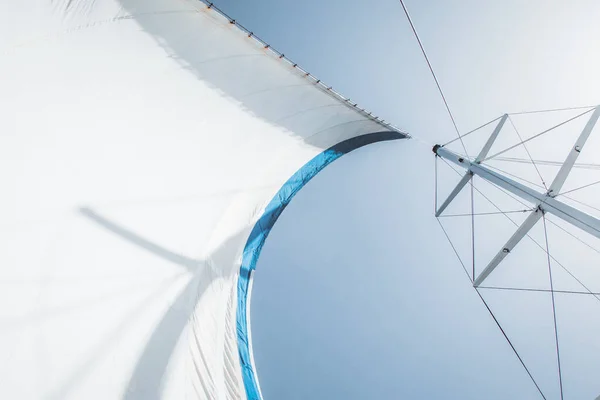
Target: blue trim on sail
x: 262, y: 228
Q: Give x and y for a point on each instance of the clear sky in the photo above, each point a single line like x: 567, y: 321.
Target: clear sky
x: 357, y: 294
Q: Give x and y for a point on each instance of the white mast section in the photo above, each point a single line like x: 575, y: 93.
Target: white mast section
x: 544, y: 202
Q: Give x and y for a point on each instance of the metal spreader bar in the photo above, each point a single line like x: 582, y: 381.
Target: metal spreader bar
x: 543, y: 202
x: 467, y: 177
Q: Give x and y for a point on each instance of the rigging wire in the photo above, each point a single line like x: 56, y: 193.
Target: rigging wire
x: 511, y: 344
x: 514, y: 349
x: 472, y: 225
x: 539, y: 186
x: 538, y: 135
x: 581, y: 202
x: 488, y: 199
x: 578, y: 188
x: 553, y: 308
x: 547, y: 162
x: 454, y: 248
x: 534, y: 184
x: 471, y: 131
x: 550, y: 110
x: 520, y: 113
x: 528, y: 235
x: 573, y: 236
x: 435, y: 178
x: 528, y: 153
x: 552, y: 291
x: 537, y: 290
x: 414, y: 30
x: 512, y: 196
x: 487, y: 213
x: 522, y: 142
x: 514, y: 176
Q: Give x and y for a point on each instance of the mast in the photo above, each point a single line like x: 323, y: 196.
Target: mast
x: 542, y: 202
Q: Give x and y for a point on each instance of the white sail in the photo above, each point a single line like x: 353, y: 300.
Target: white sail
x: 146, y: 149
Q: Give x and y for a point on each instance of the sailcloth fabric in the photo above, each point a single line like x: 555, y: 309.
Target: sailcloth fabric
x: 147, y: 147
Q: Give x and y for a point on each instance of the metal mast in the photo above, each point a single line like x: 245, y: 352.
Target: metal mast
x: 542, y: 202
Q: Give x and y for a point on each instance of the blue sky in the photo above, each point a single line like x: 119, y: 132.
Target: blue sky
x: 357, y: 294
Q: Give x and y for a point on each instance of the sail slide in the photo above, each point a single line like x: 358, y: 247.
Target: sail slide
x: 146, y: 149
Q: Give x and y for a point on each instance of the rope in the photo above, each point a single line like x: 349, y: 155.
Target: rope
x: 412, y: 25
